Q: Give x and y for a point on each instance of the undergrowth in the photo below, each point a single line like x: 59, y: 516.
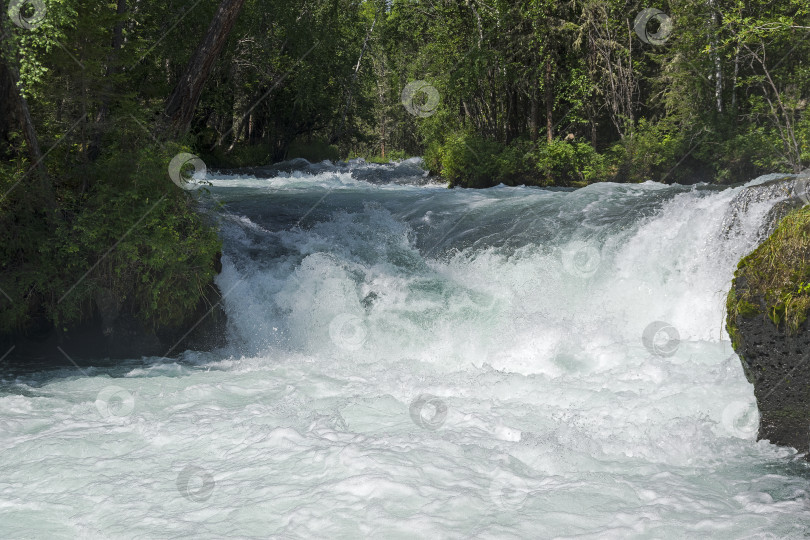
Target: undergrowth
x: 120, y: 227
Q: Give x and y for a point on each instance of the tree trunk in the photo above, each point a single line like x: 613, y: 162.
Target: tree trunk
x: 382, y: 140
x: 183, y: 101
x: 8, y: 111
x: 534, y: 116
x: 341, y: 129
x: 549, y: 103
x: 94, y: 148
x: 16, y: 114
x: 734, y: 81
x: 718, y: 71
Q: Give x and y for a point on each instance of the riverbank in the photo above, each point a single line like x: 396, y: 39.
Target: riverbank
x: 120, y: 263
x: 467, y: 160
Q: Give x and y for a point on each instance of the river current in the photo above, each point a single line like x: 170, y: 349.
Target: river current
x: 408, y: 361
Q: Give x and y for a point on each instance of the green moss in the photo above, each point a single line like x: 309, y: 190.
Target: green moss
x: 732, y: 304
x: 746, y: 309
x: 774, y: 279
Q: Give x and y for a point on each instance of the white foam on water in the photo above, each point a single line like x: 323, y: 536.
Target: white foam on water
x: 407, y: 361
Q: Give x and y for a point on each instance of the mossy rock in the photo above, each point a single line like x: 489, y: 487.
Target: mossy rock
x: 775, y: 278
x: 766, y: 319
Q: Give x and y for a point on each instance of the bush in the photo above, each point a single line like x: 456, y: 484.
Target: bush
x: 395, y: 155
x: 746, y: 156
x: 132, y: 233
x: 571, y: 163
x: 653, y: 151
x: 471, y: 161
x: 242, y: 155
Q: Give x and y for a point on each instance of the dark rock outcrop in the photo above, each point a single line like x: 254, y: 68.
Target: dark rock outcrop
x: 114, y: 333
x: 767, y: 311
x: 778, y: 365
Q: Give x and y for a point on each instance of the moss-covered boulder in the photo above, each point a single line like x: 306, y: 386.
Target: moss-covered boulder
x: 767, y: 310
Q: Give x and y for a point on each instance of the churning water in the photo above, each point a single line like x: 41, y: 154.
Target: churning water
x: 408, y: 361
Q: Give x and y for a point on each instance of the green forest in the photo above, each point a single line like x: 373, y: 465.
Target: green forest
x: 99, y: 97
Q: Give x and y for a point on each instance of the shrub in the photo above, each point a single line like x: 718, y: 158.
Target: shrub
x: 132, y: 233
x: 652, y: 152
x: 470, y: 161
x: 746, y: 156
x: 571, y: 163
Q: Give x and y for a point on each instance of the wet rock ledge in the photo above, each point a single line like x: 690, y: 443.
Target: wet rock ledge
x: 114, y: 332
x: 766, y: 318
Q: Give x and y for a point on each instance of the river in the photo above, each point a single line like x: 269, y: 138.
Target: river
x: 408, y: 361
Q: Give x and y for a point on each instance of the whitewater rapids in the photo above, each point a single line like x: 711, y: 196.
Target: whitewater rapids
x: 408, y: 361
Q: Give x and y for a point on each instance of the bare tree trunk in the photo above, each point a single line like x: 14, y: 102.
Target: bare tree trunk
x: 549, y: 102
x: 241, y: 127
x: 340, y: 130
x: 782, y: 115
x: 617, y: 79
x: 734, y: 83
x: 381, y: 76
x: 183, y: 101
x: 382, y: 140
x: 718, y: 71
x: 534, y: 116
x: 629, y: 84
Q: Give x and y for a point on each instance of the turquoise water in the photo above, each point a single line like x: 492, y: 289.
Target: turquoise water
x: 410, y: 361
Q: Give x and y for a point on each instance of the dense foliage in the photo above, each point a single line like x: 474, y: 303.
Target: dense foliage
x: 569, y: 91
x: 118, y: 231
x: 517, y: 92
